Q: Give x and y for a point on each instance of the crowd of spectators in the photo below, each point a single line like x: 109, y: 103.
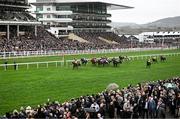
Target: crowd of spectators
x: 47, y: 41
x: 116, y: 41
x: 16, y: 16
x: 146, y: 100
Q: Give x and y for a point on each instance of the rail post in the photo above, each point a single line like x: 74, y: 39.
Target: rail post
x: 56, y: 63
x: 27, y: 66
x: 47, y: 65
x: 37, y: 66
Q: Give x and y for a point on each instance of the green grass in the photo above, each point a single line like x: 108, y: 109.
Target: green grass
x: 35, y: 86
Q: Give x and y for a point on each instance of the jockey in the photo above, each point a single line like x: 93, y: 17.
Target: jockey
x: 105, y: 57
x: 84, y: 58
x: 113, y: 58
x: 75, y: 60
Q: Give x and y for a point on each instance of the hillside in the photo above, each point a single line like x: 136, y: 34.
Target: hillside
x: 166, y: 24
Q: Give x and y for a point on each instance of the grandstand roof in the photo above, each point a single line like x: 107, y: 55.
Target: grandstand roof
x: 16, y: 6
x: 110, y: 5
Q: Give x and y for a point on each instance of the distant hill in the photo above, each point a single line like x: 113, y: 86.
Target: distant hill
x: 166, y: 24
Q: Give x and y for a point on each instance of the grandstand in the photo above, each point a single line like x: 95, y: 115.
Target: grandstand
x: 64, y: 16
x: 14, y: 14
x: 62, y: 29
x: 20, y: 31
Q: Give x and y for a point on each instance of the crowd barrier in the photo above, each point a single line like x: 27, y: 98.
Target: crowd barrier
x: 68, y: 62
x: 22, y: 54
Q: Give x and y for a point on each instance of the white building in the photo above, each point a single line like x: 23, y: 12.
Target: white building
x: 151, y: 37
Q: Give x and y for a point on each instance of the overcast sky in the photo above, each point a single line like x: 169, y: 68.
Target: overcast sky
x: 144, y: 11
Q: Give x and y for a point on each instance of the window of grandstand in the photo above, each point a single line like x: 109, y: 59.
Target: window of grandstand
x: 63, y: 16
x: 63, y: 8
x: 82, y: 8
x: 39, y: 16
x: 39, y: 8
x: 48, y: 9
x: 48, y: 16
x: 62, y: 32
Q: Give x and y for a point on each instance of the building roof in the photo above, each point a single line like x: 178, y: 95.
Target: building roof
x: 110, y: 5
x: 161, y: 33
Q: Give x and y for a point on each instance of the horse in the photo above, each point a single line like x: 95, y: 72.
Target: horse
x: 126, y: 58
x: 94, y: 61
x: 103, y: 61
x: 121, y: 58
x: 76, y: 64
x: 84, y: 61
x: 116, y: 62
x: 154, y: 59
x: 148, y: 63
x: 162, y: 58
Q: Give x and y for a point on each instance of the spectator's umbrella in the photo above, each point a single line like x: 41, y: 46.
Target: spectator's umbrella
x: 170, y: 85
x: 112, y: 86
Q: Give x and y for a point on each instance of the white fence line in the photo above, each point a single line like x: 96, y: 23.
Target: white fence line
x: 22, y: 54
x: 66, y: 62
x: 140, y: 56
x: 32, y: 63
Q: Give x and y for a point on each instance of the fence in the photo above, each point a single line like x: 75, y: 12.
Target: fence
x: 22, y: 54
x: 66, y: 62
x: 37, y: 64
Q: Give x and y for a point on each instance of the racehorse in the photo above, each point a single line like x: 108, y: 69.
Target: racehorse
x: 84, y: 61
x: 154, y: 59
x: 116, y: 62
x: 122, y: 58
x: 103, y: 61
x: 94, y: 61
x: 148, y: 63
x: 162, y: 58
x: 76, y: 64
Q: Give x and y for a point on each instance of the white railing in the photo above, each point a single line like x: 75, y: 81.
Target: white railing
x: 66, y: 62
x: 22, y: 54
x: 27, y: 65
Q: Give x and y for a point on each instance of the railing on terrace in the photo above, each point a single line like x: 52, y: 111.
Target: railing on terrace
x: 62, y: 63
